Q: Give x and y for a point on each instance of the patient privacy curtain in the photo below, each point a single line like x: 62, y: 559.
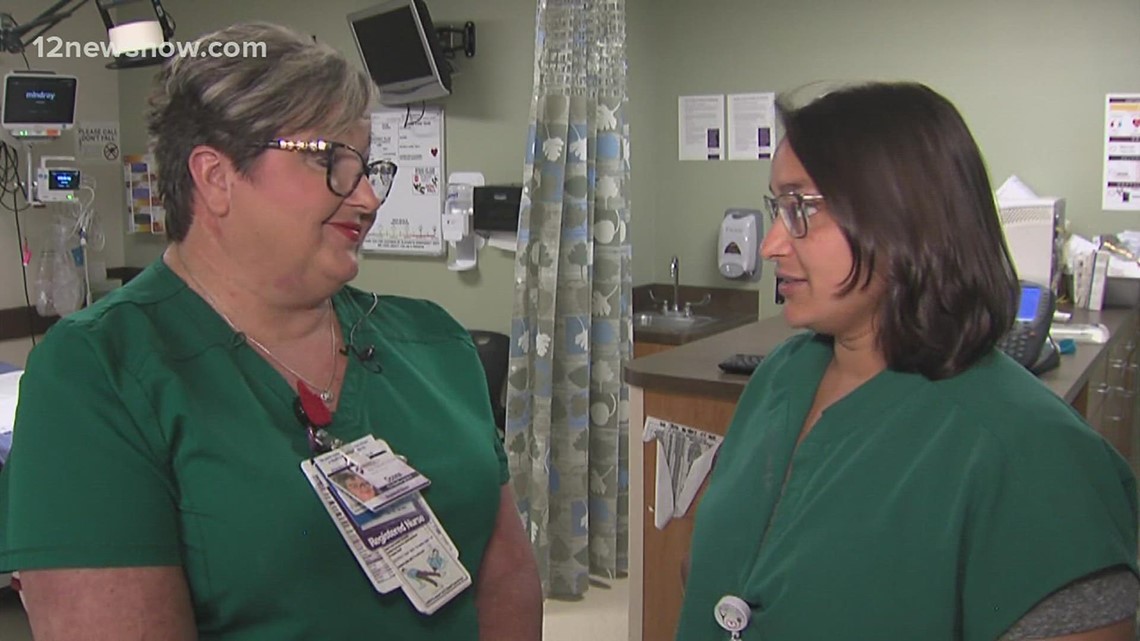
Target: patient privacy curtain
x: 567, y: 402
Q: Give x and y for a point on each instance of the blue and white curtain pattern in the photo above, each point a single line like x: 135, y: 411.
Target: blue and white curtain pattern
x: 571, y: 332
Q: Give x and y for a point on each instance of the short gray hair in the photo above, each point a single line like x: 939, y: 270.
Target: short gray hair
x: 236, y: 103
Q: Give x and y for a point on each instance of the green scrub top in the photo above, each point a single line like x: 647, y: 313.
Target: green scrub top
x: 149, y: 433
x: 912, y: 510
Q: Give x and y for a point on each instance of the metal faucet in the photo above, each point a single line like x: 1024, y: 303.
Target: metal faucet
x: 675, y: 274
x: 676, y: 307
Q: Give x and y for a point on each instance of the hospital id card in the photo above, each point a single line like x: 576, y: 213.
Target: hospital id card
x: 401, y: 545
x: 377, y: 528
x: 430, y: 575
x: 370, y: 473
x: 374, y: 564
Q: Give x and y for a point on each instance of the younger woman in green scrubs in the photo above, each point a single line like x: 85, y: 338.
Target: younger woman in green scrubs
x: 889, y: 474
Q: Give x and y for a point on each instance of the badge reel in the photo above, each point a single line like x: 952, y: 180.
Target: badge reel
x: 732, y: 613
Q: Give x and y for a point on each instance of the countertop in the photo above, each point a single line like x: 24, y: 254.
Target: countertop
x: 692, y: 368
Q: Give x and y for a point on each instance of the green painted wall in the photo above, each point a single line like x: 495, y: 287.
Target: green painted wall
x: 1028, y: 75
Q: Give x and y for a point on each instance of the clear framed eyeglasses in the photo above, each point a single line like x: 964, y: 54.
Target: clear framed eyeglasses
x: 344, y: 165
x: 794, y: 209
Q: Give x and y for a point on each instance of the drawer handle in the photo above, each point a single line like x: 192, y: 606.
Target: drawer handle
x: 1102, y: 388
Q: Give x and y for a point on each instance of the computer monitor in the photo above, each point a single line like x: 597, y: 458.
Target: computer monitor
x: 1034, y: 234
x: 38, y: 104
x: 401, y: 51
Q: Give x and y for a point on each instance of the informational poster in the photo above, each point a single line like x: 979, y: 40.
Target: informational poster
x: 685, y: 457
x: 97, y: 141
x: 751, y: 125
x: 700, y: 123
x: 410, y: 220
x: 1122, y: 152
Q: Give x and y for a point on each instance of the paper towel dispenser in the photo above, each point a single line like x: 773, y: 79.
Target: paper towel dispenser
x: 497, y: 207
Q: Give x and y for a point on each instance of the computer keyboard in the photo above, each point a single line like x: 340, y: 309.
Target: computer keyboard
x: 740, y: 363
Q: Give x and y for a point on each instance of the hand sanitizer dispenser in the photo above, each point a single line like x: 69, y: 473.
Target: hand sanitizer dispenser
x: 739, y: 243
x: 462, y: 241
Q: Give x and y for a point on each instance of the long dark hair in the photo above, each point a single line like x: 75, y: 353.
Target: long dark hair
x: 907, y: 184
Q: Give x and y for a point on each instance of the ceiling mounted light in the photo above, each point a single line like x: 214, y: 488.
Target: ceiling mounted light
x: 137, y: 43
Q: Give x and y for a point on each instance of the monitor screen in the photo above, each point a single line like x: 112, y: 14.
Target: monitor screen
x: 39, y: 99
x: 1030, y: 300
x: 63, y: 179
x: 401, y: 51
x: 391, y: 46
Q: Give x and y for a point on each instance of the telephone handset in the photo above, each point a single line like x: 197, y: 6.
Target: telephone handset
x: 1028, y: 341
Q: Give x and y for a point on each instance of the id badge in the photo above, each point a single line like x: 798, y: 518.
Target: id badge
x: 368, y: 472
x: 430, y: 575
x: 392, y: 531
x: 374, y: 564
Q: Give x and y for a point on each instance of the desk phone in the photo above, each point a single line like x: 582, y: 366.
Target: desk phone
x: 1028, y: 342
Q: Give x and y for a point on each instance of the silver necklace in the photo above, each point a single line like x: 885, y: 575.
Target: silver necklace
x: 325, y: 394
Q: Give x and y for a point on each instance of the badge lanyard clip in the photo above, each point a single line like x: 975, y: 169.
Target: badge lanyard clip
x: 732, y: 614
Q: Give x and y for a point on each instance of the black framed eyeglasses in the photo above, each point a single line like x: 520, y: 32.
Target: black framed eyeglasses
x: 794, y: 209
x: 344, y: 164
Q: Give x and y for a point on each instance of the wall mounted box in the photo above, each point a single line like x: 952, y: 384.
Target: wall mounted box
x: 497, y: 207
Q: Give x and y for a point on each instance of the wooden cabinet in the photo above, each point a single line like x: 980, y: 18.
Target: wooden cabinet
x: 643, y: 348
x: 666, y: 549
x: 1111, y: 395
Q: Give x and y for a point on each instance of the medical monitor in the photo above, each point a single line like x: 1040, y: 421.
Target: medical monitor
x: 1034, y: 234
x: 401, y: 51
x: 38, y: 104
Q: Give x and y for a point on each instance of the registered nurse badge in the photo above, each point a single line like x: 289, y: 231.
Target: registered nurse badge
x: 732, y: 613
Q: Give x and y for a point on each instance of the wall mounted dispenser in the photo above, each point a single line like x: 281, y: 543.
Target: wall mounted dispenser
x: 458, y: 211
x: 739, y: 243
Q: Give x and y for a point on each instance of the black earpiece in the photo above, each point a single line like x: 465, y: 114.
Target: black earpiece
x: 366, y: 356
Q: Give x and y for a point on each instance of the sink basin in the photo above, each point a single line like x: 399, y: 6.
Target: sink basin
x: 669, y: 322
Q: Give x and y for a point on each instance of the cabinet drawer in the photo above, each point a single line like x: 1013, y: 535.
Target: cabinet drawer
x: 1099, y: 388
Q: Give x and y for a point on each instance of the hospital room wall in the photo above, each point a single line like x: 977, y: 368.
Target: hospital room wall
x: 1030, y: 78
x: 486, y: 120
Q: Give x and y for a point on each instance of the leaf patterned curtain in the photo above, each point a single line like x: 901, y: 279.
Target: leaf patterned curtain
x: 567, y: 402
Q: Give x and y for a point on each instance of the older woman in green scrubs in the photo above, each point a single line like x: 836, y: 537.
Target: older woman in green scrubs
x: 154, y: 489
